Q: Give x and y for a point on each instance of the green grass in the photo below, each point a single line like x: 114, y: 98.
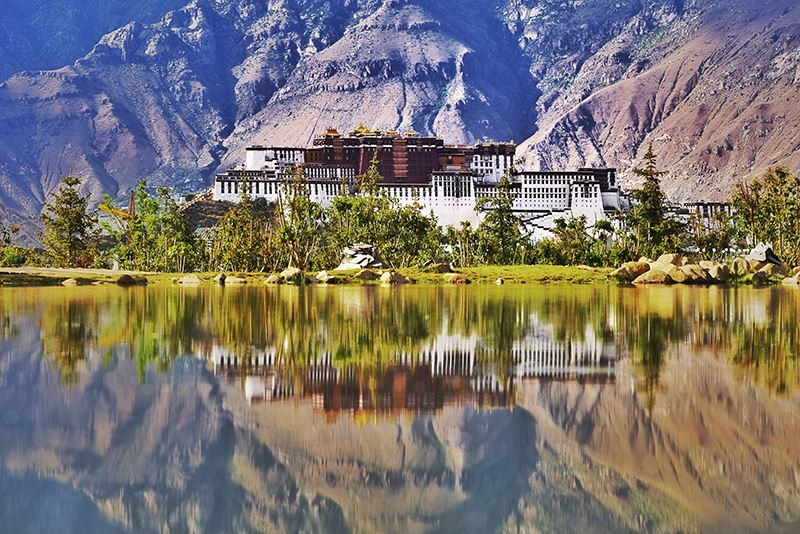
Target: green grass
x: 537, y: 274
x: 512, y: 274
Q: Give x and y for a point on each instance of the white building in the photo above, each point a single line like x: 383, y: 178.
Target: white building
x: 451, y: 193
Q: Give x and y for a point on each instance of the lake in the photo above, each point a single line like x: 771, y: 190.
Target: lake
x: 411, y: 409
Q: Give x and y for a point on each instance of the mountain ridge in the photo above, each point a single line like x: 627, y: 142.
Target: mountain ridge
x: 710, y: 84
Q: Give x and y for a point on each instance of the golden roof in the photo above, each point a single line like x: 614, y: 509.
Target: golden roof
x: 361, y: 131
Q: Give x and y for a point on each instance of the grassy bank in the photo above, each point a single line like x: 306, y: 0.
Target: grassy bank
x: 519, y: 274
x: 513, y: 274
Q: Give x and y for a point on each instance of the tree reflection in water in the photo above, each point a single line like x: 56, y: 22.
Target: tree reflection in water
x: 486, y: 336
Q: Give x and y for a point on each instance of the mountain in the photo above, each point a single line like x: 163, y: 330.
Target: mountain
x: 709, y: 82
x: 47, y: 34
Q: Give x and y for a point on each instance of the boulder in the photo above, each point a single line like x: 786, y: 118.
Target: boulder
x: 669, y: 269
x: 220, y: 279
x: 740, y: 267
x: 663, y: 267
x: 679, y: 276
x: 695, y: 275
x: 455, y: 278
x: 499, y: 282
x: 763, y: 253
x: 273, y: 279
x: 755, y: 265
x: 324, y: 278
x: 773, y: 270
x: 69, y: 282
x: 796, y: 271
x: 439, y: 268
x: 391, y: 277
x: 235, y: 281
x: 190, y: 280
x: 792, y: 281
x: 759, y: 278
x: 654, y: 277
x: 706, y: 264
x: 675, y: 259
x: 292, y: 275
x: 127, y: 280
x: 631, y: 271
x: 719, y: 273
x: 360, y: 256
x: 366, y: 275
x: 621, y: 274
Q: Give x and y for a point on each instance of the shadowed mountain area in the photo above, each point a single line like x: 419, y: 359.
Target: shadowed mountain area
x: 48, y: 34
x: 709, y: 83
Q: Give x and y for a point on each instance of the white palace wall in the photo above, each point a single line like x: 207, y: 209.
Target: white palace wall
x: 451, y: 195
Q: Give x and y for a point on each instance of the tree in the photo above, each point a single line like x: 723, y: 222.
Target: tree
x: 413, y: 237
x: 574, y: 244
x: 244, y: 240
x: 360, y: 218
x: 11, y: 255
x: 573, y: 240
x: 654, y: 230
x: 300, y: 222
x: 712, y: 238
x: 462, y: 245
x: 500, y: 237
x: 156, y: 237
x: 71, y: 235
x: 768, y: 210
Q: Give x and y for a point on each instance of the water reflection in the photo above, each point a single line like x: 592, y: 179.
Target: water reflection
x: 414, y: 409
x: 491, y: 336
x: 449, y: 371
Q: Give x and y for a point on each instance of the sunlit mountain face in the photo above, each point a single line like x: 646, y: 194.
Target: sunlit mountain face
x: 374, y: 409
x: 174, y: 91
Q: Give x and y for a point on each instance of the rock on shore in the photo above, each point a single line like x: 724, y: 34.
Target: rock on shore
x: 190, y: 280
x: 760, y: 267
x: 394, y: 278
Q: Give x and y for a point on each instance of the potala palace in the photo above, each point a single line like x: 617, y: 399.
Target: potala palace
x: 446, y: 180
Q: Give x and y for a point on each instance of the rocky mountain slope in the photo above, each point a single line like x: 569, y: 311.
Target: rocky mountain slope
x: 710, y: 83
x: 48, y: 34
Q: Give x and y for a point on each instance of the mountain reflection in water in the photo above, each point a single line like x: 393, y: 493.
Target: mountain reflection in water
x: 408, y: 409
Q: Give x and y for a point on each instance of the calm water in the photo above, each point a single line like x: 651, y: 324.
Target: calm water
x: 477, y: 409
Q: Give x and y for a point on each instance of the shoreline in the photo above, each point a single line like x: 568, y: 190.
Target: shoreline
x: 486, y: 275
x: 511, y: 275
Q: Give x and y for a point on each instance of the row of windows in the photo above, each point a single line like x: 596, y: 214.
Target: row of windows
x: 273, y: 188
x: 546, y: 181
x: 408, y: 192
x: 447, y: 190
x: 544, y: 188
x: 561, y: 195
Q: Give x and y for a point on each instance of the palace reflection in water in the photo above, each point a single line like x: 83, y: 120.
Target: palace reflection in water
x: 451, y: 371
x: 344, y: 409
